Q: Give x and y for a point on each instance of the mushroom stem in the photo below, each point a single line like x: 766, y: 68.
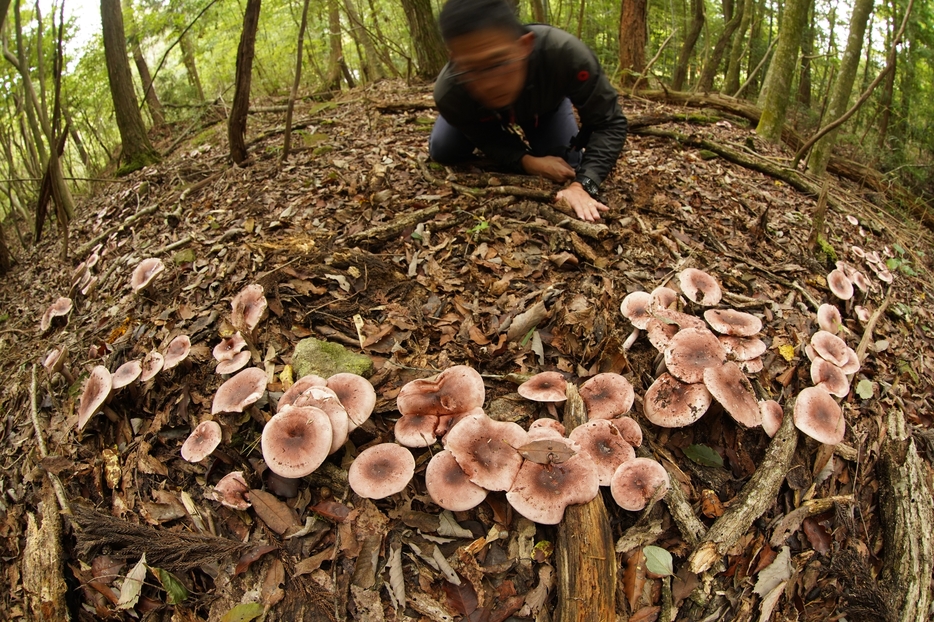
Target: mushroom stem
x: 631, y: 340
x: 257, y: 415
x: 66, y: 373
x: 110, y: 414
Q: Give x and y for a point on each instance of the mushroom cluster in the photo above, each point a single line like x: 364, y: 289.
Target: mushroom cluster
x: 61, y: 308
x: 431, y: 406
x: 230, y: 355
x: 875, y: 262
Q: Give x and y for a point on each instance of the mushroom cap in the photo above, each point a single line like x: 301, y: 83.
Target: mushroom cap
x: 295, y: 442
x: 638, y: 481
x: 233, y: 364
x: 862, y: 313
x: 356, y: 394
x: 446, y: 422
x: 487, y: 450
x: 177, y: 351
x: 730, y: 386
x: 416, y: 430
x: 381, y: 470
x: 772, y: 415
x: 635, y: 308
x: 830, y: 347
x: 545, y: 428
x: 663, y: 297
x: 861, y: 281
x: 96, y: 390
x: 229, y: 347
x: 839, y: 284
x: 248, y: 307
x: 325, y: 399
x: 691, y: 351
x: 852, y: 364
x: 60, y: 308
x: 873, y: 258
x: 145, y: 272
x: 152, y: 365
x: 660, y: 333
x: 829, y: 318
x: 300, y: 386
x: 240, y: 391
x: 681, y: 320
x: 448, y: 485
x: 456, y: 390
x: 732, y: 322
x: 826, y: 374
x: 231, y: 491
x: 883, y: 273
x: 752, y: 366
x: 606, y: 447
x: 819, y: 416
x: 607, y: 395
x: 203, y: 440
x: 126, y: 373
x: 742, y: 348
x: 541, y: 492
x: 856, y: 251
x: 671, y: 403
x: 55, y: 360
x: 630, y: 430
x: 699, y: 287
x: 547, y: 386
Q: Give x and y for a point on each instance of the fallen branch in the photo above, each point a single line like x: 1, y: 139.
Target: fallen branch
x: 871, y: 326
x: 791, y: 522
x: 592, y: 230
x: 753, y: 500
x: 87, y: 246
x: 43, y: 449
x: 392, y: 229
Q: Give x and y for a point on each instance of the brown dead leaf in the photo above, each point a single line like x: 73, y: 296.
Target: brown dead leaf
x: 711, y: 507
x: 546, y: 451
x: 462, y: 598
x: 251, y: 556
x: 646, y: 614
x: 634, y: 578
x: 277, y: 515
x: 271, y: 591
x: 817, y: 534
x: 310, y: 564
x: 331, y: 510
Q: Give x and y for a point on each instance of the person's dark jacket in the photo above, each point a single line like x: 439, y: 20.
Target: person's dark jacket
x: 560, y: 66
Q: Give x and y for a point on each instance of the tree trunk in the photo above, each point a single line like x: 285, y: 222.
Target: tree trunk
x: 807, y: 49
x: 843, y: 87
x: 236, y: 125
x: 188, y: 58
x: 705, y: 83
x: 888, y: 89
x: 731, y: 81
x: 149, y: 90
x: 774, y: 96
x: 538, y: 12
x: 633, y: 35
x: 370, y: 60
x: 137, y: 150
x: 287, y: 139
x: 76, y: 139
x: 687, y: 48
x: 335, y: 49
x: 430, y: 55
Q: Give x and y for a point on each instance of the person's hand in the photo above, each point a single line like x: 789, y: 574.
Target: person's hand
x: 585, y: 206
x: 550, y: 167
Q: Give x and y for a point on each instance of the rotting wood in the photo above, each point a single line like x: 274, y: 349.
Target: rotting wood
x: 392, y: 229
x: 791, y: 522
x: 870, y: 327
x: 43, y: 563
x: 691, y: 528
x: 759, y: 493
x: 43, y: 448
x: 907, y: 510
x: 585, y: 556
x: 591, y: 230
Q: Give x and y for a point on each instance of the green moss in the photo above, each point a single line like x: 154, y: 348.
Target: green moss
x: 827, y: 249
x: 323, y: 149
x: 325, y: 359
x: 141, y: 160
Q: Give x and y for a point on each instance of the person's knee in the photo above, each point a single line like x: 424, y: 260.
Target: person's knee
x: 447, y: 144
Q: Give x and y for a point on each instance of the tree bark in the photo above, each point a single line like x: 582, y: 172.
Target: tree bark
x: 430, y: 55
x: 149, y: 90
x: 236, y: 125
x: 807, y: 49
x: 370, y: 61
x: 287, y: 139
x: 713, y: 62
x: 137, y: 150
x: 191, y: 67
x: 731, y: 82
x: 687, y: 48
x: 538, y: 12
x: 335, y: 49
x: 633, y: 35
x: 888, y: 89
x: 77, y: 140
x: 775, y: 90
x: 843, y: 87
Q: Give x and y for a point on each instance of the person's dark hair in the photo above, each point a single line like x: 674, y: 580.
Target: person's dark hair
x: 462, y: 17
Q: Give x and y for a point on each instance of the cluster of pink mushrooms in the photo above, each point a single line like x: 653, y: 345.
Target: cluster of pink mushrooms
x: 708, y: 359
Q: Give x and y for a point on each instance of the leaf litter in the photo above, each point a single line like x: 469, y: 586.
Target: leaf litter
x: 494, y: 282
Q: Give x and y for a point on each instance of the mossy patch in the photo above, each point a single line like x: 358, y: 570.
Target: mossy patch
x: 325, y: 359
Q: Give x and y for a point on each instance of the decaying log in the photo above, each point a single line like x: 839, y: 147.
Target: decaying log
x: 755, y: 498
x: 907, y: 510
x: 585, y: 556
x: 393, y: 228
x: 593, y: 230
x: 43, y: 565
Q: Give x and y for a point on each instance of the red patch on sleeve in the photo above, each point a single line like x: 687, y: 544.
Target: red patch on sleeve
x: 583, y: 75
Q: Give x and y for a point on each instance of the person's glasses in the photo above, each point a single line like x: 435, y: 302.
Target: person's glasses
x: 493, y: 71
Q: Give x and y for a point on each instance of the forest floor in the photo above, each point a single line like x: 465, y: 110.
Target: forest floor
x: 419, y: 299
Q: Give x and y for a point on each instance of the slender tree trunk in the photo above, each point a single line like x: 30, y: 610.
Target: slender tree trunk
x: 775, y: 90
x: 538, y: 12
x: 76, y: 139
x: 712, y: 65
x: 137, y: 150
x: 888, y: 89
x: 687, y: 48
x: 843, y: 87
x: 383, y: 50
x: 236, y: 125
x: 633, y: 35
x: 191, y: 67
x: 287, y: 139
x: 335, y: 49
x: 358, y: 31
x: 731, y: 82
x: 430, y: 55
x: 807, y: 49
x: 149, y: 90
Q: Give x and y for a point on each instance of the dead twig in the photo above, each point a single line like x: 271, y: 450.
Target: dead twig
x: 871, y: 326
x: 43, y: 448
x: 87, y: 246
